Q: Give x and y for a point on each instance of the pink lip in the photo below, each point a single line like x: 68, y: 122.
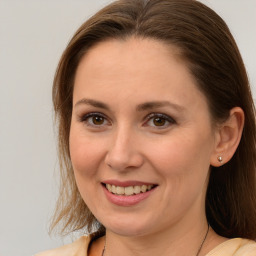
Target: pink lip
x: 126, y: 200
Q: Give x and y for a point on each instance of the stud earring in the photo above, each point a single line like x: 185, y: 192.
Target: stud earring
x: 219, y: 158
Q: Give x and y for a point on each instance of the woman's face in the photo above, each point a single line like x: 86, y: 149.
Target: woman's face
x: 139, y: 124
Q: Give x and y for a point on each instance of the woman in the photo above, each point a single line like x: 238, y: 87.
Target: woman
x: 156, y: 134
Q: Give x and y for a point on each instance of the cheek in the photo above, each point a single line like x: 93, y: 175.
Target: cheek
x: 86, y: 155
x: 183, y: 155
x: 86, y: 158
x: 183, y: 163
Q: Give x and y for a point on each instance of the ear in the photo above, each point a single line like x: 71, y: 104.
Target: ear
x: 228, y: 136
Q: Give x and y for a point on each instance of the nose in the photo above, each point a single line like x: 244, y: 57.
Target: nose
x: 123, y: 153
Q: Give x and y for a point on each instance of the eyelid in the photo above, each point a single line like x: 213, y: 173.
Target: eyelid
x: 84, y: 118
x: 161, y: 115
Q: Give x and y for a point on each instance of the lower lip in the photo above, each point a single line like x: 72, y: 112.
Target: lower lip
x: 122, y: 200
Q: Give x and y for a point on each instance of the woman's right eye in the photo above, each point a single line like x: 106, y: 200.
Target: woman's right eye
x: 94, y: 120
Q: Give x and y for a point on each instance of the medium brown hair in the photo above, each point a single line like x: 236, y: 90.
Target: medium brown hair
x: 213, y: 59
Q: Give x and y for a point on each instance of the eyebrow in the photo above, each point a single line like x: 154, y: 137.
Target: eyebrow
x: 158, y: 104
x: 141, y: 107
x: 93, y: 103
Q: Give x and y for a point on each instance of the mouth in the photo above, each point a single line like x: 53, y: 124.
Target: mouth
x: 128, y: 190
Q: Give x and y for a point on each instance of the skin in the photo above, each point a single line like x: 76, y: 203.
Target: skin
x: 126, y: 143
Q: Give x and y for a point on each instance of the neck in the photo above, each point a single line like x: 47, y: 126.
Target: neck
x: 161, y: 243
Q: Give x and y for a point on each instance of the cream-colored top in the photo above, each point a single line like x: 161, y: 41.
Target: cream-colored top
x: 232, y: 247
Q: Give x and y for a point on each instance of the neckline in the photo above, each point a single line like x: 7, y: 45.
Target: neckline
x: 235, y: 242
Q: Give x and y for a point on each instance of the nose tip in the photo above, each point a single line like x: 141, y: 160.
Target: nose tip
x: 123, y: 161
x: 123, y: 155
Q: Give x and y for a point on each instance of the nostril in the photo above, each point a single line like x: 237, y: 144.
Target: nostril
x: 124, y: 162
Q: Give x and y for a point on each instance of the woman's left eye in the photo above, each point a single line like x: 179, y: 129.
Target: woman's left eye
x: 159, y: 121
x: 97, y: 120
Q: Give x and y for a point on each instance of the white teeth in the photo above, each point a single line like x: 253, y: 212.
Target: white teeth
x: 136, y: 189
x: 128, y: 191
x: 119, y: 190
x: 143, y: 188
x: 113, y: 189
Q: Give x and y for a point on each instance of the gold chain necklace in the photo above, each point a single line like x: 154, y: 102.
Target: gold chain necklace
x: 199, y: 250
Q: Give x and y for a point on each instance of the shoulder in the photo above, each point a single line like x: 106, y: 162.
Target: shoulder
x: 235, y: 247
x: 247, y: 248
x: 77, y: 248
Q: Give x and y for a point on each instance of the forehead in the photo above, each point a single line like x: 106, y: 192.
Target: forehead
x: 120, y: 54
x: 135, y: 69
x: 110, y: 60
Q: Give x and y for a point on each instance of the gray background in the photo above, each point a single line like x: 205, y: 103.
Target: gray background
x: 33, y: 35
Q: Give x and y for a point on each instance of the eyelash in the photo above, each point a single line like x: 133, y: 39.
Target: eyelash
x: 164, y: 117
x: 87, y: 119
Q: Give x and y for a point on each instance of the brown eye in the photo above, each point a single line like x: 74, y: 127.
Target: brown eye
x: 158, y: 121
x: 98, y: 120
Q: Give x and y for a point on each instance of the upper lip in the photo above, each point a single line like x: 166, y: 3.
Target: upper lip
x: 127, y: 183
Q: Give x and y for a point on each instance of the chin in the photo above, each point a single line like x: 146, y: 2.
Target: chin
x: 128, y: 227
x: 128, y: 231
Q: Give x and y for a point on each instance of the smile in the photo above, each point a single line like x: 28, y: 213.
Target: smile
x: 129, y: 190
